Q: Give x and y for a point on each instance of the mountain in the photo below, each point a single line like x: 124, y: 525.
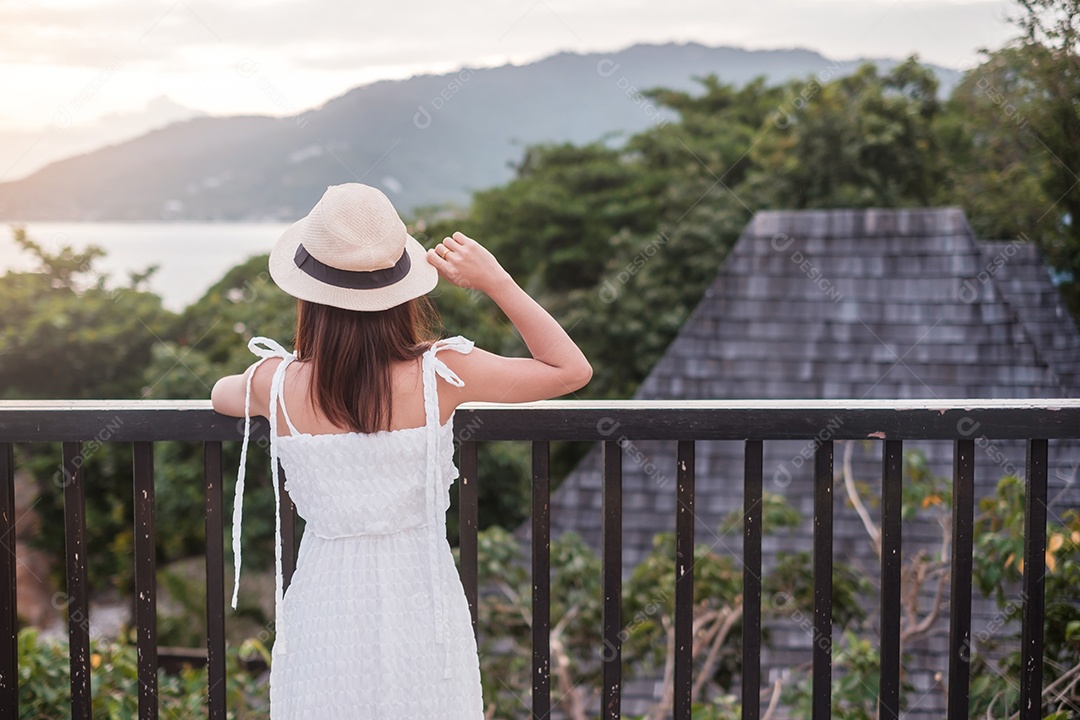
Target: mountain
x: 22, y: 152
x: 426, y: 140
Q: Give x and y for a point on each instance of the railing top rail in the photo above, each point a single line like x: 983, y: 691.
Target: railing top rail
x: 550, y: 405
x: 589, y: 420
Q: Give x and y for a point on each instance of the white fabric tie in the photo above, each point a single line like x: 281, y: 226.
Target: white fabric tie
x: 265, y: 348
x: 437, y: 520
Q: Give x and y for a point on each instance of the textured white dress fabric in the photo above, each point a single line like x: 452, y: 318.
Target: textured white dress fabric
x: 375, y: 623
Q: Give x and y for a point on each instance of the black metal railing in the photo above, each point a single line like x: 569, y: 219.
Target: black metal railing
x: 683, y: 422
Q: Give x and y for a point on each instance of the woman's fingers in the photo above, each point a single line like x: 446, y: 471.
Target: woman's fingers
x: 435, y: 258
x: 439, y: 256
x: 447, y: 246
x: 442, y: 249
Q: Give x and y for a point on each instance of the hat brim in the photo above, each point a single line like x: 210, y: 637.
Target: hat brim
x: 420, y: 280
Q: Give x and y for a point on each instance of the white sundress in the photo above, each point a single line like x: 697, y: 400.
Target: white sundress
x: 375, y: 623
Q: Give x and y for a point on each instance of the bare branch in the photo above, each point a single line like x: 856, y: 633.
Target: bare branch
x: 931, y: 617
x: 774, y: 700
x: 702, y: 633
x: 729, y: 619
x: 1072, y: 674
x: 568, y: 617
x: 856, y: 501
x: 575, y: 707
x: 660, y: 710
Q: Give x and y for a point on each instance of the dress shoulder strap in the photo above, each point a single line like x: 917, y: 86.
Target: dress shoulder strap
x: 264, y: 348
x: 278, y: 390
x: 436, y: 521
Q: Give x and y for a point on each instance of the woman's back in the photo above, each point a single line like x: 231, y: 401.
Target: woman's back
x: 406, y: 404
x: 352, y: 483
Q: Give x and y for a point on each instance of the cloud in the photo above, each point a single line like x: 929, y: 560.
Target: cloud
x: 317, y: 49
x: 172, y: 34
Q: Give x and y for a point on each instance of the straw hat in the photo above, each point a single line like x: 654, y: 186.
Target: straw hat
x: 352, y: 251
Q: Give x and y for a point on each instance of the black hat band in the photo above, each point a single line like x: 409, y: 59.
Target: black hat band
x: 352, y: 279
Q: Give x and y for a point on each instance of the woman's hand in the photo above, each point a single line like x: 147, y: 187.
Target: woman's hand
x: 466, y: 263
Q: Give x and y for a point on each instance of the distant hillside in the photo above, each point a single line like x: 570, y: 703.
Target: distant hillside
x: 24, y: 151
x: 426, y: 140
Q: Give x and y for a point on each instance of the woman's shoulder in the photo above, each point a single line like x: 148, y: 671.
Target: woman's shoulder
x: 261, y: 380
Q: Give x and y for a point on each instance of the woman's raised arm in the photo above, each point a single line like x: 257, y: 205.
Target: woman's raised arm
x: 557, y: 365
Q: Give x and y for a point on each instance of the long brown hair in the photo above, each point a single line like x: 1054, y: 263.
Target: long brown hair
x: 351, y: 353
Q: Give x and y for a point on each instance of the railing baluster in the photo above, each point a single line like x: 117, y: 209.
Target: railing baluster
x: 215, y: 581
x: 145, y: 578
x: 891, y: 515
x: 75, y: 548
x: 684, y: 579
x: 960, y: 579
x: 467, y: 525
x: 1031, y: 675
x: 288, y: 532
x: 9, y: 622
x: 751, y: 631
x: 611, y: 657
x: 823, y: 563
x: 541, y: 581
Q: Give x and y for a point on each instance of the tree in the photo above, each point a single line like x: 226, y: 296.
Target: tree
x: 998, y: 165
x: 1050, y: 34
x: 858, y: 141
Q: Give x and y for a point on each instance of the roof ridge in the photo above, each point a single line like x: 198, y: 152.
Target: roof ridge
x: 1014, y: 309
x: 1014, y: 312
x: 969, y: 297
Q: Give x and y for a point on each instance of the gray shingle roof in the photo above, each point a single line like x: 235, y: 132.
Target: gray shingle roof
x: 1021, y: 275
x: 844, y: 304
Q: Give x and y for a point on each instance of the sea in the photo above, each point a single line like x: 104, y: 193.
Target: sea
x: 190, y: 256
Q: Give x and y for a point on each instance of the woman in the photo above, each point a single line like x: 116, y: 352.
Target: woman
x: 375, y: 623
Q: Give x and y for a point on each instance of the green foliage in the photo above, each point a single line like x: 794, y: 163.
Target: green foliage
x: 648, y: 606
x: 999, y: 568
x: 998, y: 163
x: 45, y: 691
x: 559, y: 212
x: 1011, y: 133
x: 792, y: 589
x: 856, y: 670
x: 997, y: 572
x: 65, y: 334
x: 720, y: 707
x: 1050, y: 35
x: 922, y: 489
x: 505, y: 614
x: 858, y: 141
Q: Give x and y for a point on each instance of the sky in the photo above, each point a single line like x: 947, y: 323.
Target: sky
x: 68, y: 63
